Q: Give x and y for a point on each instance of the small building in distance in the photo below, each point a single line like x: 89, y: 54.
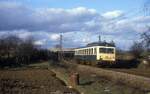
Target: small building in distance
x: 67, y: 53
x: 64, y: 50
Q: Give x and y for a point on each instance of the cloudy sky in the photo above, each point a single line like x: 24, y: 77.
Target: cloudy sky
x: 79, y: 21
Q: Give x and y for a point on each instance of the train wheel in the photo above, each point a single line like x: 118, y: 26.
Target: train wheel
x: 88, y: 63
x: 85, y: 63
x: 93, y: 63
x: 81, y: 62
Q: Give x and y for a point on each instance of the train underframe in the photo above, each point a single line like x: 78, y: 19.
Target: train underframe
x: 91, y: 60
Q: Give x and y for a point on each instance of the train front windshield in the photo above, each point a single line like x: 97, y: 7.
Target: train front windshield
x: 106, y: 50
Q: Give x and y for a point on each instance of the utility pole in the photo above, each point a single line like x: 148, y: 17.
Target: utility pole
x: 61, y: 42
x: 99, y: 38
x: 146, y: 8
x: 60, y: 52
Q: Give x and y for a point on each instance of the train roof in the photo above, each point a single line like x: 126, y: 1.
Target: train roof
x: 100, y: 44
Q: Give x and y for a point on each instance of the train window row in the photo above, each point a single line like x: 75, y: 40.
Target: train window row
x: 106, y: 50
x: 90, y: 51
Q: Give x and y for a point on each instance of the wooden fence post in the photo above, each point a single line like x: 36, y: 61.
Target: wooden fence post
x: 74, y: 79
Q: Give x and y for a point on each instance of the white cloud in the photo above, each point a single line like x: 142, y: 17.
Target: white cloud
x: 54, y: 37
x: 81, y: 10
x: 112, y: 14
x: 40, y: 42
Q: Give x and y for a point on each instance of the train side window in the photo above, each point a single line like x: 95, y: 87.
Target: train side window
x: 86, y: 51
x: 94, y: 50
x: 82, y: 51
x: 91, y: 51
x: 106, y: 50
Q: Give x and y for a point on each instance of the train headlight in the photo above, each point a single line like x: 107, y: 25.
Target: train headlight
x: 101, y: 58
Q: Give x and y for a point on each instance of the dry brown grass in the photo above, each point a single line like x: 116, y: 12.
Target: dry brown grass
x: 31, y: 81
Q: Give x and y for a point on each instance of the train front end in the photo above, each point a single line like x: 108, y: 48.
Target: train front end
x: 106, y: 55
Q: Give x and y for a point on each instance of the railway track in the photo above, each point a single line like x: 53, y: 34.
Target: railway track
x: 136, y: 71
x: 132, y: 80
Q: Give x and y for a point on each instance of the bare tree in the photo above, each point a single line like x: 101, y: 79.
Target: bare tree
x: 15, y: 51
x: 25, y: 51
x: 136, y: 49
x: 8, y: 46
x: 146, y: 39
